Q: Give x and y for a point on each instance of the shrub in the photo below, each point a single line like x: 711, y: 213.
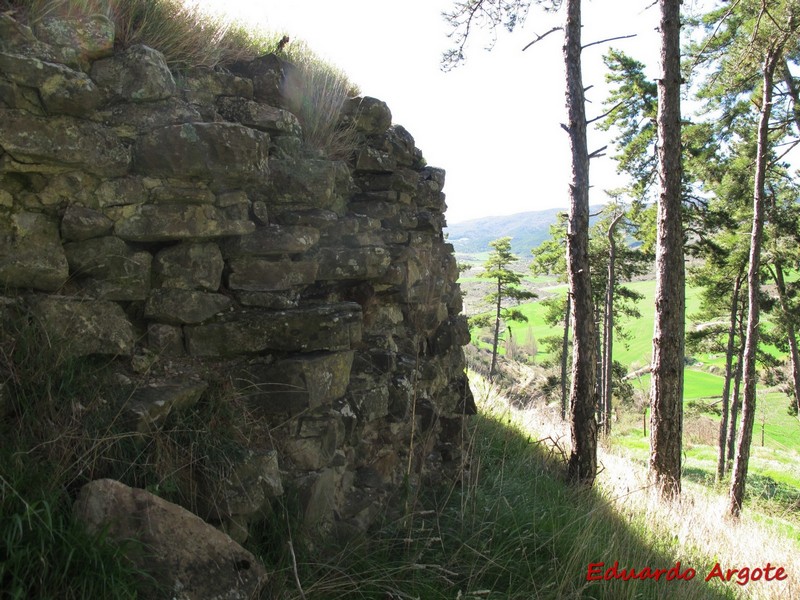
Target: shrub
x: 316, y: 93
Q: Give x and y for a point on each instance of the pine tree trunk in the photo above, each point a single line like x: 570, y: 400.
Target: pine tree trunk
x: 666, y: 391
x: 608, y: 326
x: 496, y: 332
x: 582, y: 465
x: 564, y: 361
x: 726, y: 389
x: 745, y: 436
x: 736, y: 403
x: 794, y: 354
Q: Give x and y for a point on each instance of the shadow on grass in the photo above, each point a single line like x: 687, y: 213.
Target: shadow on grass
x: 764, y: 487
x: 698, y: 475
x: 512, y: 529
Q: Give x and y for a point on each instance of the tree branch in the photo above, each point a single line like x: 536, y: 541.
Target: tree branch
x: 792, y: 146
x: 793, y: 93
x: 598, y: 153
x: 612, y: 39
x: 605, y: 114
x: 539, y: 38
x: 714, y: 34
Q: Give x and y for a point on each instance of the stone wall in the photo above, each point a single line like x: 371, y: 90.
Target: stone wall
x: 176, y: 223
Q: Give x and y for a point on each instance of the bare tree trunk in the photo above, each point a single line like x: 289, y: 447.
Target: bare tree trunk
x: 745, y: 437
x: 736, y: 403
x: 564, y: 354
x: 666, y: 391
x: 794, y: 354
x: 726, y: 390
x: 496, y: 332
x: 582, y: 465
x: 608, y: 326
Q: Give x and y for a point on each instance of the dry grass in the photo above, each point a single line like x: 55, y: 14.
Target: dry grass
x: 190, y: 38
x: 693, y: 531
x: 316, y: 92
x: 187, y: 36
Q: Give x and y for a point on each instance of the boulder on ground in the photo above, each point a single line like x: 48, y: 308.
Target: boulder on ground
x: 188, y: 558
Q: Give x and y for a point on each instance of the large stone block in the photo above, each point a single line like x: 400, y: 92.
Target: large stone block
x: 91, y: 37
x: 374, y: 161
x: 399, y: 144
x: 219, y: 152
x: 176, y: 306
x: 65, y: 189
x: 272, y: 240
x: 148, y: 405
x: 297, y: 384
x: 165, y: 340
x: 17, y: 96
x: 123, y: 191
x: 368, y: 115
x: 131, y: 120
x: 201, y: 87
x: 189, y: 266
x: 273, y: 300
x: 31, y: 255
x: 332, y: 327
x: 183, y: 194
x: 174, y: 222
x: 62, y: 142
x: 453, y: 333
x: 14, y: 36
x: 268, y: 73
x: 254, y: 274
x: 317, y: 439
x: 353, y: 263
x: 402, y: 180
x: 370, y: 403
x: 306, y: 184
x: 263, y: 117
x: 80, y: 223
x: 61, y: 89
x: 85, y: 327
x: 374, y: 209
x: 137, y: 74
x: 109, y: 268
x: 181, y: 552
x: 96, y: 257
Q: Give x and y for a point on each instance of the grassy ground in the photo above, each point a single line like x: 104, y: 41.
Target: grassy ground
x: 513, y: 529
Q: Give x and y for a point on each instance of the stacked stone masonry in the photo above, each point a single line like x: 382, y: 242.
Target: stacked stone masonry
x: 175, y: 223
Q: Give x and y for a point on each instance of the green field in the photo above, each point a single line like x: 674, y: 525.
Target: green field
x: 634, y: 348
x: 781, y: 431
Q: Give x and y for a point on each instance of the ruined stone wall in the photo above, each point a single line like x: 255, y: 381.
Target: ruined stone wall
x: 176, y: 223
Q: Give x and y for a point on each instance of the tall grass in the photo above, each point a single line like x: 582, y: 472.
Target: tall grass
x: 63, y: 423
x: 316, y: 93
x: 513, y: 529
x: 45, y: 553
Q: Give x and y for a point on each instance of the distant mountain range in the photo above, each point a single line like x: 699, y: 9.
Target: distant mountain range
x: 527, y: 230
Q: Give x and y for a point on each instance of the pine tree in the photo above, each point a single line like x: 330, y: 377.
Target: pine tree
x: 497, y: 268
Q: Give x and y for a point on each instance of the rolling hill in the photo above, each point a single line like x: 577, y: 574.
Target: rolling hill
x: 527, y: 230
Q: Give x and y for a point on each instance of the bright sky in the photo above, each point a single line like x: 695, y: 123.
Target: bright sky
x: 494, y: 123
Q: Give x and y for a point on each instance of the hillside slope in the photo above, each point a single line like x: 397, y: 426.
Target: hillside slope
x: 527, y: 230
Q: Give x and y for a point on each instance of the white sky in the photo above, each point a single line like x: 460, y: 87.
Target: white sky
x: 494, y: 123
